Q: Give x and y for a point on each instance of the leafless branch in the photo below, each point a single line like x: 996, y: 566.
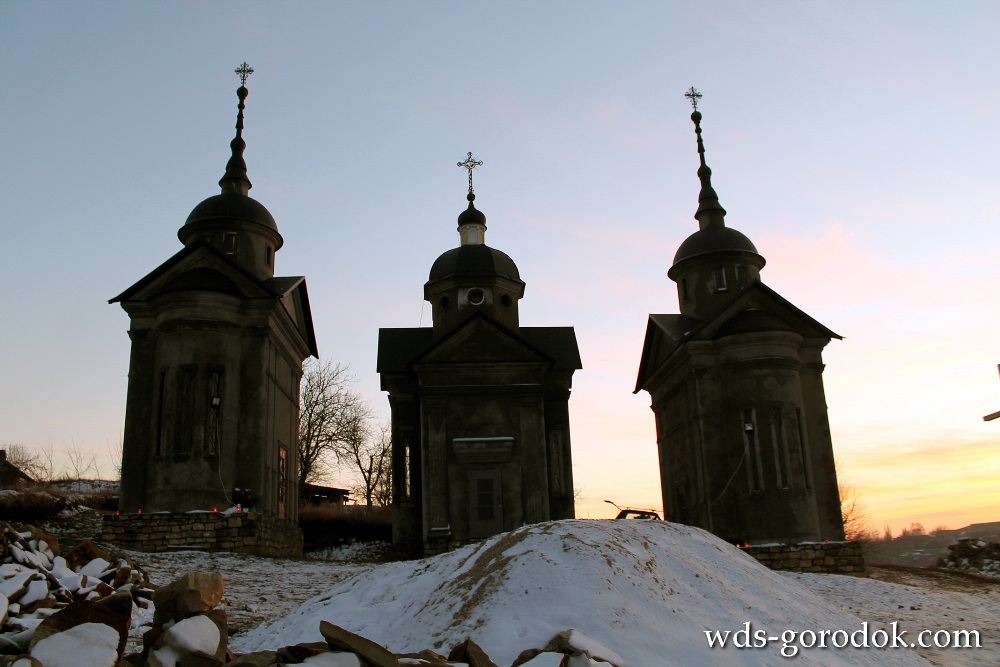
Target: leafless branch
x: 330, y: 413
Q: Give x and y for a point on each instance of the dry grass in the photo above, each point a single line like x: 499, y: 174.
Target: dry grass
x: 31, y: 505
x: 46, y: 501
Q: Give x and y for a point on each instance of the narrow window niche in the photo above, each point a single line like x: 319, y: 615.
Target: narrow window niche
x: 229, y: 243
x: 780, y: 444
x: 213, y: 426
x: 804, y: 449
x: 184, y: 431
x: 751, y: 450
x: 720, y: 280
x: 160, y: 398
x: 282, y: 480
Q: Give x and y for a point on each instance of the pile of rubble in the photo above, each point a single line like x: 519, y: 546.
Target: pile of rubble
x: 188, y: 631
x: 974, y: 555
x: 37, y: 583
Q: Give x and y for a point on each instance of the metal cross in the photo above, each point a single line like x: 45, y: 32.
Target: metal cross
x: 693, y: 95
x: 244, y: 71
x: 470, y: 163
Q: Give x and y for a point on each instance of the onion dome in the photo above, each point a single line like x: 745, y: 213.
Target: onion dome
x: 471, y: 215
x: 233, y: 204
x: 712, y: 236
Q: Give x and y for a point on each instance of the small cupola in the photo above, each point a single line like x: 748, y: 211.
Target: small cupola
x: 232, y: 221
x: 473, y: 278
x: 716, y: 262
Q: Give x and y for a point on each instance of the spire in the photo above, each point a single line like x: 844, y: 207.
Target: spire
x: 472, y: 222
x: 710, y: 212
x: 235, y: 179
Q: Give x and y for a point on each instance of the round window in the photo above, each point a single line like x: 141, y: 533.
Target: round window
x: 476, y: 296
x: 506, y: 300
x: 443, y: 303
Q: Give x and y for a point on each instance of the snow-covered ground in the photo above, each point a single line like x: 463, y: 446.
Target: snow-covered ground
x: 257, y: 589
x: 648, y: 591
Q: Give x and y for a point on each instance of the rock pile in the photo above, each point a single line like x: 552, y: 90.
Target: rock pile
x: 973, y: 555
x: 48, y: 599
x: 346, y: 649
x: 83, y: 620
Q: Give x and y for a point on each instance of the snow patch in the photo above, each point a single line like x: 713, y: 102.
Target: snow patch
x: 198, y: 634
x: 90, y: 644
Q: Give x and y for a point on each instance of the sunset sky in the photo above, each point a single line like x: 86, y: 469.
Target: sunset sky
x: 855, y: 143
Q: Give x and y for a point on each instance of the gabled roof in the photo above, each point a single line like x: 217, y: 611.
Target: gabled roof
x: 202, y: 266
x: 10, y: 474
x: 398, y: 349
x: 756, y: 308
x: 760, y: 297
x: 200, y: 247
x: 294, y: 296
x: 664, y: 334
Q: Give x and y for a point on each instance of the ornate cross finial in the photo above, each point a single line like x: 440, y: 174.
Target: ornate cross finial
x: 693, y: 96
x: 244, y: 71
x: 470, y: 163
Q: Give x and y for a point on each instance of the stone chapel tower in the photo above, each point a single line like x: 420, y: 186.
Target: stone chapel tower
x: 218, y: 342
x: 480, y: 412
x: 736, y: 382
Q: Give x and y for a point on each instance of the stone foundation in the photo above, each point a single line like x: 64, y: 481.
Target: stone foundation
x: 244, y: 532
x: 827, y: 557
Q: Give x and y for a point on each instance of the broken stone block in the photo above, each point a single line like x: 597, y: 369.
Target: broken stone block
x: 429, y: 658
x: 374, y: 654
x: 84, y: 553
x: 193, y: 593
x: 93, y: 644
x: 471, y: 653
x: 114, y: 614
x: 300, y: 652
x: 258, y: 659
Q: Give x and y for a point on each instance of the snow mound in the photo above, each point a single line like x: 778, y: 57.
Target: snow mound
x: 647, y: 590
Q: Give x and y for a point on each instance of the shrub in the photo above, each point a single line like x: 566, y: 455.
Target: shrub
x: 334, y: 525
x: 105, y: 500
x: 30, y: 506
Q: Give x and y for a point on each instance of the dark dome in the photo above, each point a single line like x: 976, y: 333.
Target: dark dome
x: 471, y: 216
x: 473, y: 260
x: 712, y: 240
x: 231, y: 206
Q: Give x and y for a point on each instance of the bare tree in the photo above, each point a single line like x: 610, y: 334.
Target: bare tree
x: 853, y: 511
x: 368, y: 452
x: 115, y: 454
x: 330, y: 413
x: 81, y: 464
x: 31, y: 463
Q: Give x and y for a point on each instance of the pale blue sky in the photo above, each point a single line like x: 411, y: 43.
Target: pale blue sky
x: 855, y: 143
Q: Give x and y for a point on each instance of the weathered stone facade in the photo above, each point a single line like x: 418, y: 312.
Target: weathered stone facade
x: 826, y: 557
x: 736, y: 389
x: 480, y: 416
x: 243, y: 532
x: 211, y: 418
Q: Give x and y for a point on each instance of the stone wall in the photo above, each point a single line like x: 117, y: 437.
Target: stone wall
x: 243, y: 532
x: 828, y: 557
